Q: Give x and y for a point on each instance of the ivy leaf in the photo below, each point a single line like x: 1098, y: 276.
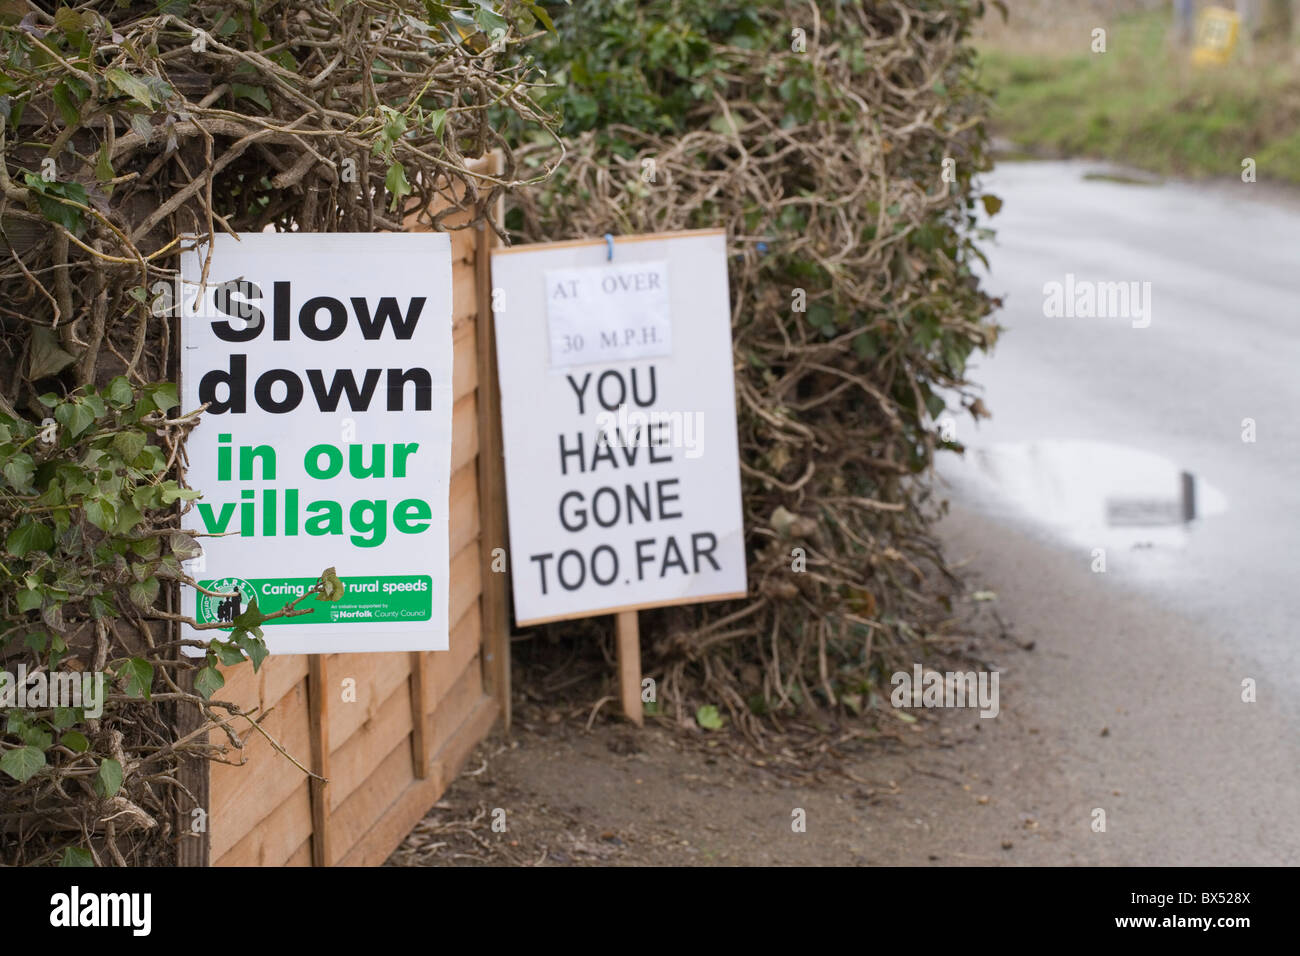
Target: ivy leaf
x: 29, y: 599
x: 332, y: 587
x: 251, y: 618
x: 20, y: 469
x: 488, y: 21
x: 255, y: 648
x: 109, y: 779
x: 183, y: 546
x: 132, y: 86
x: 46, y: 195
x: 22, y: 763
x: 992, y: 203
x: 128, y: 516
x: 172, y: 491
x: 137, y: 677
x: 75, y: 741
x: 75, y: 417
x: 66, y: 100
x: 708, y: 717
x: 28, y: 536
x: 437, y: 119
x: 76, y: 856
x: 207, y: 681
x: 119, y: 389
x: 395, y: 182
x: 36, y: 737
x: 101, y: 607
x: 249, y: 92
x: 99, y: 513
x: 228, y: 653
x: 129, y: 444
x: 64, y: 717
x: 46, y: 357
x: 163, y: 395
x: 540, y: 13
x: 104, y: 166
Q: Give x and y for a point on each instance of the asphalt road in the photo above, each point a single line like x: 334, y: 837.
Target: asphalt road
x: 1096, y: 420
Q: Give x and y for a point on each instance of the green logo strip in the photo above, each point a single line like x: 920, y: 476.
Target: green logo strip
x: 401, y: 597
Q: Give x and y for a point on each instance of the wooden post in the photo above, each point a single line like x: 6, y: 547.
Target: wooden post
x: 628, y: 637
x: 491, y: 478
x: 419, y: 707
x: 318, y: 714
x: 194, y: 846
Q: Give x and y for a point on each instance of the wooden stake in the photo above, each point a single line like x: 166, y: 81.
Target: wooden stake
x: 419, y: 708
x: 318, y: 712
x: 491, y: 484
x: 628, y: 637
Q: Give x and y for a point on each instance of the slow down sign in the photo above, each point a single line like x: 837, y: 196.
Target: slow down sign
x: 325, y: 362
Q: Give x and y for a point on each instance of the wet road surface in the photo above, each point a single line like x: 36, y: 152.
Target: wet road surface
x: 1117, y: 444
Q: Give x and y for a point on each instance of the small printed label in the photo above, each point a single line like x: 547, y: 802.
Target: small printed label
x: 608, y: 313
x: 402, y: 597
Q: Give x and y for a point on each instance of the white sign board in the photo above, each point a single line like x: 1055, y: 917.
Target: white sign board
x: 326, y: 362
x: 622, y: 466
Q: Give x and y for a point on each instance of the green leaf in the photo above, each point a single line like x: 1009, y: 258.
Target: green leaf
x: 437, y: 119
x: 253, y: 646
x: 249, y: 92
x: 708, y: 717
x: 22, y: 763
x: 128, y: 445
x: 102, y: 607
x: 64, y: 717
x: 163, y: 395
x: 104, y: 165
x: 75, y: 417
x: 76, y: 856
x: 228, y: 653
x: 332, y: 587
x: 540, y: 13
x: 38, y: 738
x: 251, y: 618
x: 119, y: 389
x: 109, y: 779
x: 137, y: 677
x: 171, y: 491
x: 29, y: 599
x: 489, y: 22
x: 20, y: 469
x: 207, y: 681
x: 29, y: 536
x: 46, y: 357
x: 395, y: 182
x: 991, y: 203
x: 66, y: 101
x: 183, y: 546
x: 99, y: 513
x: 132, y: 86
x: 75, y: 741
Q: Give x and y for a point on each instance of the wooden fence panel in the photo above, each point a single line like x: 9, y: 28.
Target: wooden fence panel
x: 389, y: 752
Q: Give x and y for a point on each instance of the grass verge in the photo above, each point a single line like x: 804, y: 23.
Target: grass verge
x: 1142, y: 103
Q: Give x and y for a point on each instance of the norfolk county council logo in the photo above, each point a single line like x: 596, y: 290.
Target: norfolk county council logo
x: 224, y: 610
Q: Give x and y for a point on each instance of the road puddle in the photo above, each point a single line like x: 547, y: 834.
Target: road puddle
x: 1097, y: 493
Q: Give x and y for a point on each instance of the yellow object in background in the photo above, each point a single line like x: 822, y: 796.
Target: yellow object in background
x: 1216, y: 36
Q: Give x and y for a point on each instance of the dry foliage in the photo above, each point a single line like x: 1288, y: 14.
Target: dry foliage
x: 127, y: 126
x: 853, y: 306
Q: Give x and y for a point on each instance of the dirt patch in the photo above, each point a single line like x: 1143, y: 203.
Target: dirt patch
x: 916, y: 793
